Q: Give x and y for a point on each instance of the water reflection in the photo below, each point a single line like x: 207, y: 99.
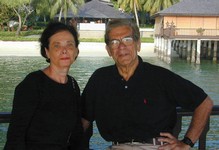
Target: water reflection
x: 14, y: 69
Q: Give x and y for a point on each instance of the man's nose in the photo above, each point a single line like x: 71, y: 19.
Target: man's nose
x: 121, y: 44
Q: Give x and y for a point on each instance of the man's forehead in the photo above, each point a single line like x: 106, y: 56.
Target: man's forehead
x: 120, y: 31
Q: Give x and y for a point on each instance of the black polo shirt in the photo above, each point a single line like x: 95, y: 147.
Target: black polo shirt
x: 141, y: 107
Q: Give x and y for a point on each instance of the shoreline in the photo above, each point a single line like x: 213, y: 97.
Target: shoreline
x: 87, y: 49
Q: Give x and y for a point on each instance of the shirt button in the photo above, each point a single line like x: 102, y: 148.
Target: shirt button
x: 126, y: 87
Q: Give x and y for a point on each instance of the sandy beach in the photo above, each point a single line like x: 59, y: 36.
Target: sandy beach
x: 91, y: 49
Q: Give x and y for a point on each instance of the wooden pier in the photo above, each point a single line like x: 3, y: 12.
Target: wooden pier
x: 193, y: 48
x: 189, y: 27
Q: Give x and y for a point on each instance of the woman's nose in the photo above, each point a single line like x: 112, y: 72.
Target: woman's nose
x: 64, y: 50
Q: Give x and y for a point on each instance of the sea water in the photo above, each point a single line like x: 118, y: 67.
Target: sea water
x: 13, y: 69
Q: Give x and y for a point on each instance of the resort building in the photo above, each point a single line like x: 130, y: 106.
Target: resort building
x: 190, y: 29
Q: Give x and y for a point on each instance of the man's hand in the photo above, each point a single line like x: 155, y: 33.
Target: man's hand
x: 171, y: 143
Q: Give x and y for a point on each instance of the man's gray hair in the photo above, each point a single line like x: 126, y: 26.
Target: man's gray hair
x: 122, y: 22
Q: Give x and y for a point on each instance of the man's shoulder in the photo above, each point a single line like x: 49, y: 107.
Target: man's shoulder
x: 156, y: 70
x: 105, y: 69
x: 150, y: 66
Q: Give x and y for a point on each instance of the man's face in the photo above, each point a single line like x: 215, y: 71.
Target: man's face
x: 122, y: 46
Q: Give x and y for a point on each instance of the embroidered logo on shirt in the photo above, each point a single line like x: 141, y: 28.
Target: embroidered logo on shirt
x: 145, y: 101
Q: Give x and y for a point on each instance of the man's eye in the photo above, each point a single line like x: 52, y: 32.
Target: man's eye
x: 128, y: 39
x: 56, y: 46
x: 114, y: 42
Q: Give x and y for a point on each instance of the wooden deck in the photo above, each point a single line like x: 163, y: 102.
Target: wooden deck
x: 5, y: 118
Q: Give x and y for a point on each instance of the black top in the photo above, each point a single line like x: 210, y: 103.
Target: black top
x: 44, y: 113
x: 141, y: 107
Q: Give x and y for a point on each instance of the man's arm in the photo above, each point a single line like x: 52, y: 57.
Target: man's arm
x: 197, y: 125
x: 85, y: 124
x: 199, y: 119
x: 88, y: 132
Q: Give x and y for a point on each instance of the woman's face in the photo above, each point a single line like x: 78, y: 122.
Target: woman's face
x: 62, y: 50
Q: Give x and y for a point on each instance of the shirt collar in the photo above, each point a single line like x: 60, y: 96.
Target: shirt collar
x: 138, y: 69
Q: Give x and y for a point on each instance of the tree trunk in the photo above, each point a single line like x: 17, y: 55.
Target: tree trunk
x: 19, y: 26
x: 136, y: 14
x: 20, y: 22
x: 60, y: 15
x: 44, y: 18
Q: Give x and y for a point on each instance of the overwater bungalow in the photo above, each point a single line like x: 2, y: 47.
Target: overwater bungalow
x: 92, y: 17
x: 189, y: 28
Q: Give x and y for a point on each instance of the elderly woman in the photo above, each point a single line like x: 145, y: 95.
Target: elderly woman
x: 46, y: 112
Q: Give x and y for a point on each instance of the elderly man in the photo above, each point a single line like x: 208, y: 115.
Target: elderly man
x: 134, y: 102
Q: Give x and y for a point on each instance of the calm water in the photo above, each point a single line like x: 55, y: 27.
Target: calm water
x: 14, y: 69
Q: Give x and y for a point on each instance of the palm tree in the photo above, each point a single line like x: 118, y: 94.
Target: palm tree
x: 63, y: 6
x: 51, y: 7
x: 154, y: 6
x: 42, y: 7
x: 134, y: 5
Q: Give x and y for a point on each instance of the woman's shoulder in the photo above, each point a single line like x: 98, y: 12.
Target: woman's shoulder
x: 33, y: 77
x: 31, y: 80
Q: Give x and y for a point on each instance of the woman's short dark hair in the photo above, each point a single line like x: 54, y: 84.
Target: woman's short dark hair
x: 122, y: 22
x: 51, y: 29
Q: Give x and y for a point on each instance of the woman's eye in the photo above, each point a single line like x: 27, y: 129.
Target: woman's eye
x: 71, y: 45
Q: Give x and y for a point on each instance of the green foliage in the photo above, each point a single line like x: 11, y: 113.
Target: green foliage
x: 14, y: 3
x: 153, y: 6
x: 91, y: 39
x: 52, y: 7
x: 24, y: 36
x: 31, y: 32
x: 22, y: 10
x: 5, y: 13
x: 147, y: 40
x: 129, y: 5
x: 34, y: 35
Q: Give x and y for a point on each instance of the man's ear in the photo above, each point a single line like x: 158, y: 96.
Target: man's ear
x: 108, y: 50
x: 139, y: 46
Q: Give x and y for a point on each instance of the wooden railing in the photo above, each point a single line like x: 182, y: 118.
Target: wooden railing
x: 183, y: 32
x: 183, y: 113
x: 5, y: 118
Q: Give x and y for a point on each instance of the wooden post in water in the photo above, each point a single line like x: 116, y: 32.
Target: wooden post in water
x: 189, y: 51
x: 193, y: 51
x: 176, y: 48
x: 209, y: 50
x: 184, y: 46
x: 156, y: 45
x: 159, y: 47
x: 169, y: 48
x: 180, y: 48
x: 204, y: 50
x: 215, y: 52
x: 198, y: 51
x: 165, y: 50
x: 162, y: 48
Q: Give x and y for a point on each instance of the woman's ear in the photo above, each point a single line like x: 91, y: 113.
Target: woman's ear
x: 77, y: 54
x: 47, y: 53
